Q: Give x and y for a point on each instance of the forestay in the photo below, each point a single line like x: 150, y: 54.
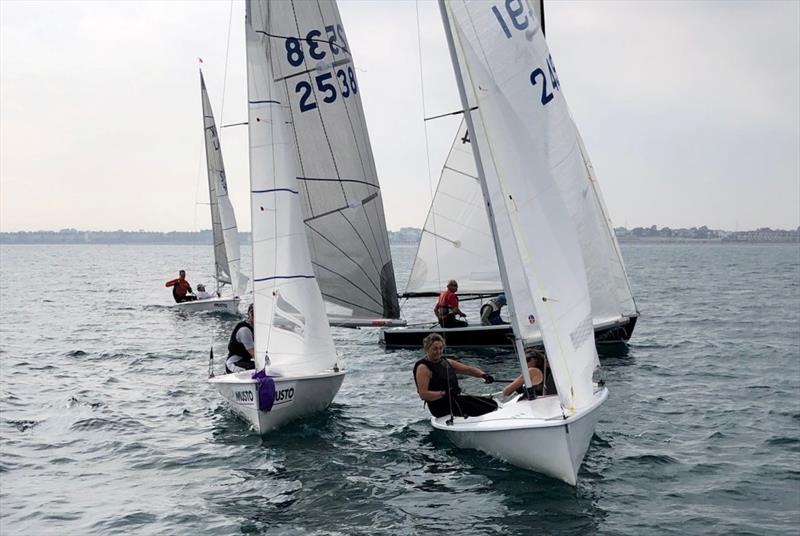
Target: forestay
x: 292, y: 335
x: 529, y: 146
x: 223, y: 221
x: 340, y: 194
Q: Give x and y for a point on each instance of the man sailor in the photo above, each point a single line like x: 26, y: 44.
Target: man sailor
x: 181, y: 289
x: 446, y: 309
x: 490, y: 311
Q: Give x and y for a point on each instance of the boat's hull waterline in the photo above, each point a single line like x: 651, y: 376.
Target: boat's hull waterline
x: 610, y: 332
x: 222, y: 305
x: 530, y: 434
x: 295, y: 397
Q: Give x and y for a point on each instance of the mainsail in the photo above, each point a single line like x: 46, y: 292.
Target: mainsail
x: 223, y: 221
x: 292, y: 335
x: 340, y: 194
x: 528, y: 148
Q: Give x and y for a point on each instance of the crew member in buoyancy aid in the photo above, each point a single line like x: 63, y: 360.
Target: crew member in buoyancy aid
x: 241, y: 347
x: 490, y: 311
x: 447, y: 310
x: 437, y: 383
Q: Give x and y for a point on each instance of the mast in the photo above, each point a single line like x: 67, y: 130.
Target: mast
x: 482, y: 176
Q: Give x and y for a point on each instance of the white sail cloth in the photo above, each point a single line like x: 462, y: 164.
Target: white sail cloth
x: 456, y: 241
x: 529, y: 147
x: 292, y: 335
x: 340, y: 194
x: 223, y: 221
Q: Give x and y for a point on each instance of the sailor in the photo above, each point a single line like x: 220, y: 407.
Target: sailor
x: 241, y: 347
x: 201, y: 292
x: 490, y: 311
x: 437, y: 383
x: 181, y: 289
x: 446, y: 309
x: 539, y: 371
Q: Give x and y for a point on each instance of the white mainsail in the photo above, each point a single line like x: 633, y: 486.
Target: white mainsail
x: 528, y: 146
x: 340, y: 194
x: 292, y: 335
x: 223, y: 221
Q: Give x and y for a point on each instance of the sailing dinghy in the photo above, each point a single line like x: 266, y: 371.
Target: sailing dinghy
x: 524, y: 144
x: 293, y: 343
x: 456, y: 243
x: 223, y: 224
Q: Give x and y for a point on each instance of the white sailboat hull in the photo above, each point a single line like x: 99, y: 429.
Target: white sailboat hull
x: 531, y: 434
x: 224, y: 305
x: 295, y: 397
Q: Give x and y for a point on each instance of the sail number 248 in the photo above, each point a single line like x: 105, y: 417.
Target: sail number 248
x: 515, y: 13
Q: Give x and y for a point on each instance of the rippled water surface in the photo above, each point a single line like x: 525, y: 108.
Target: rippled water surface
x: 107, y: 425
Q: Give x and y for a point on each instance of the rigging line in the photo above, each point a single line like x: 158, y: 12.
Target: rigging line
x: 459, y: 112
x: 225, y: 72
x: 427, y: 153
x: 233, y: 124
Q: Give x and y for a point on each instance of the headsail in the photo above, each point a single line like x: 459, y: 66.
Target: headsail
x: 292, y: 334
x: 456, y: 241
x: 528, y: 146
x: 223, y: 220
x: 340, y: 194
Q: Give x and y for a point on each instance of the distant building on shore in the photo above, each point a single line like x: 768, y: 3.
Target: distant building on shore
x: 406, y: 235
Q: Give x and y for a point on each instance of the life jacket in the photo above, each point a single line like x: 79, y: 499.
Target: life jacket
x: 494, y: 316
x: 180, y: 288
x: 443, y: 378
x: 442, y: 310
x: 235, y: 348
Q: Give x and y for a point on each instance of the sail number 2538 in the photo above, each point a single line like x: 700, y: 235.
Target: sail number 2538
x: 515, y: 13
x: 325, y: 82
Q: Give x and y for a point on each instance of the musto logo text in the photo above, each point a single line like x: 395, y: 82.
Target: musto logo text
x: 284, y: 395
x: 243, y: 396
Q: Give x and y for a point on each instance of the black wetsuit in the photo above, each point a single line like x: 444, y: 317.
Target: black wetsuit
x: 443, y: 378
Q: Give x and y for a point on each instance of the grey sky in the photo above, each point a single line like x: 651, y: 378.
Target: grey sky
x: 690, y: 110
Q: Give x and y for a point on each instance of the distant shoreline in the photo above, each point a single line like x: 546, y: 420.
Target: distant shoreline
x: 405, y: 236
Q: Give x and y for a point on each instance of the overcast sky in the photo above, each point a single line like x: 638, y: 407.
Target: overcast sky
x: 690, y: 110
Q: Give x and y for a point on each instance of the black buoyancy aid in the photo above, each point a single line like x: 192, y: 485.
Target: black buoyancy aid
x: 443, y: 377
x: 234, y: 346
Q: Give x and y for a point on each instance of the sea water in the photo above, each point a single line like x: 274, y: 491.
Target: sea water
x: 107, y: 424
